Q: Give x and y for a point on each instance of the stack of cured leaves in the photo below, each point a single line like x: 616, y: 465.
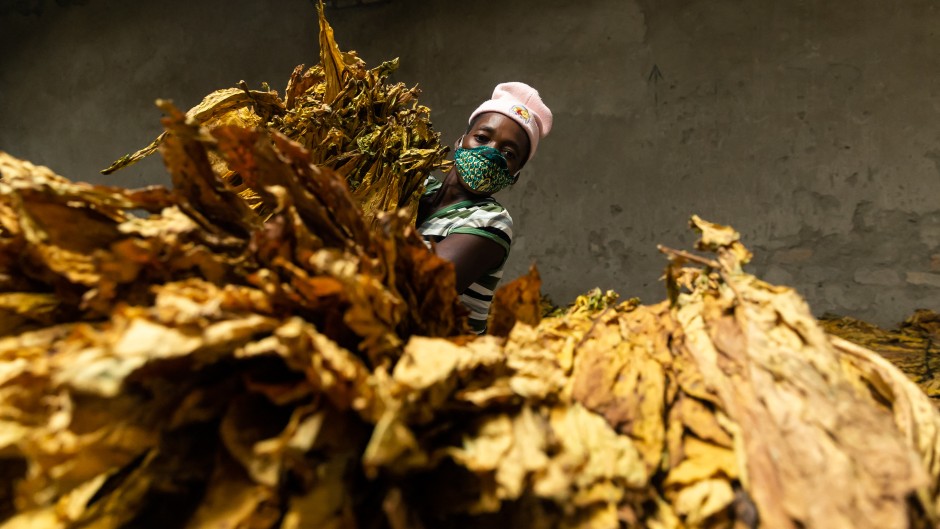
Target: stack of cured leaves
x: 200, y: 368
x: 252, y: 349
x: 913, y: 346
x: 142, y: 358
x: 350, y: 119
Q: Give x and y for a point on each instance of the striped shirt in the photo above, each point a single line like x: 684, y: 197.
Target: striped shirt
x: 485, y: 218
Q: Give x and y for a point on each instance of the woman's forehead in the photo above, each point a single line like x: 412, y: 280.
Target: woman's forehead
x: 502, y: 125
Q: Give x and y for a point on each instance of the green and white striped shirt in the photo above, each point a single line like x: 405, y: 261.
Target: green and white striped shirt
x: 485, y: 218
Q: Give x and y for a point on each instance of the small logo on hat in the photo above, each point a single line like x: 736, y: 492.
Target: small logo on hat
x: 522, y: 112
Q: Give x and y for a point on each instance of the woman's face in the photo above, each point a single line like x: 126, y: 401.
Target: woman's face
x: 501, y: 133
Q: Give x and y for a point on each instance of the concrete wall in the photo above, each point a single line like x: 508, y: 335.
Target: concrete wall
x: 813, y: 127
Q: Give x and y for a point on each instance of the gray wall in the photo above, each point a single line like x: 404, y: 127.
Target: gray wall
x: 810, y: 126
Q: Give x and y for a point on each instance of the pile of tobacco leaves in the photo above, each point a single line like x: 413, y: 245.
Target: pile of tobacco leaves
x: 349, y: 118
x: 269, y: 344
x: 912, y: 347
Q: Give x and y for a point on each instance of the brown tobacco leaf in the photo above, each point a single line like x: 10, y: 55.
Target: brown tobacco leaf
x: 321, y: 199
x: 517, y: 301
x: 331, y: 59
x: 778, y: 378
x: 915, y: 415
x: 426, y: 284
x: 204, y: 196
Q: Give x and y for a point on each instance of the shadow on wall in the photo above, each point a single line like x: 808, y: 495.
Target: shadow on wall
x: 37, y: 7
x: 34, y: 7
x: 340, y: 4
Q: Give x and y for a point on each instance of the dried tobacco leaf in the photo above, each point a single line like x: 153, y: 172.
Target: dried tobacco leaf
x: 768, y: 362
x: 374, y: 134
x: 517, y: 301
x: 912, y: 347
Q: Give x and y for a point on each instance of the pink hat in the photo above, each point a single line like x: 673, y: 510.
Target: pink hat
x: 522, y: 103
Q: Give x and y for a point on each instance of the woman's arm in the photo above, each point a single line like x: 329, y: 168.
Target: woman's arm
x: 472, y: 256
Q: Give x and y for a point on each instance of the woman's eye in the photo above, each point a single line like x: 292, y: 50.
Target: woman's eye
x: 480, y: 138
x: 509, y: 155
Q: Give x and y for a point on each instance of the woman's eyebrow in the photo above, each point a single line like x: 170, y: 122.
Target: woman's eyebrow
x: 489, y: 130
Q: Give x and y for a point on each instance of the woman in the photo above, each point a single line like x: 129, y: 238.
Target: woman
x: 467, y: 226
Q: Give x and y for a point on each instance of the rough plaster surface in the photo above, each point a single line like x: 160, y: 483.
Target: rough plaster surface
x: 810, y: 126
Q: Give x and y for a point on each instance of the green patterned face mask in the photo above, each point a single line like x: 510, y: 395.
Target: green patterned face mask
x: 483, y: 169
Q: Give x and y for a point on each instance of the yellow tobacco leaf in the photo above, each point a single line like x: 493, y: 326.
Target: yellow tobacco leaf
x: 721, y: 239
x: 135, y: 341
x: 535, y: 372
x: 427, y: 363
x: 36, y: 306
x: 910, y: 347
x: 701, y: 420
x: 235, y: 106
x: 136, y: 156
x: 703, y: 499
x: 12, y: 169
x: 327, y: 504
x: 81, y: 439
x: 526, y: 457
x: 702, y: 460
x: 233, y: 501
x: 488, y: 447
x: 393, y: 447
x: 35, y: 519
x: 591, y: 445
x: 610, y: 372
